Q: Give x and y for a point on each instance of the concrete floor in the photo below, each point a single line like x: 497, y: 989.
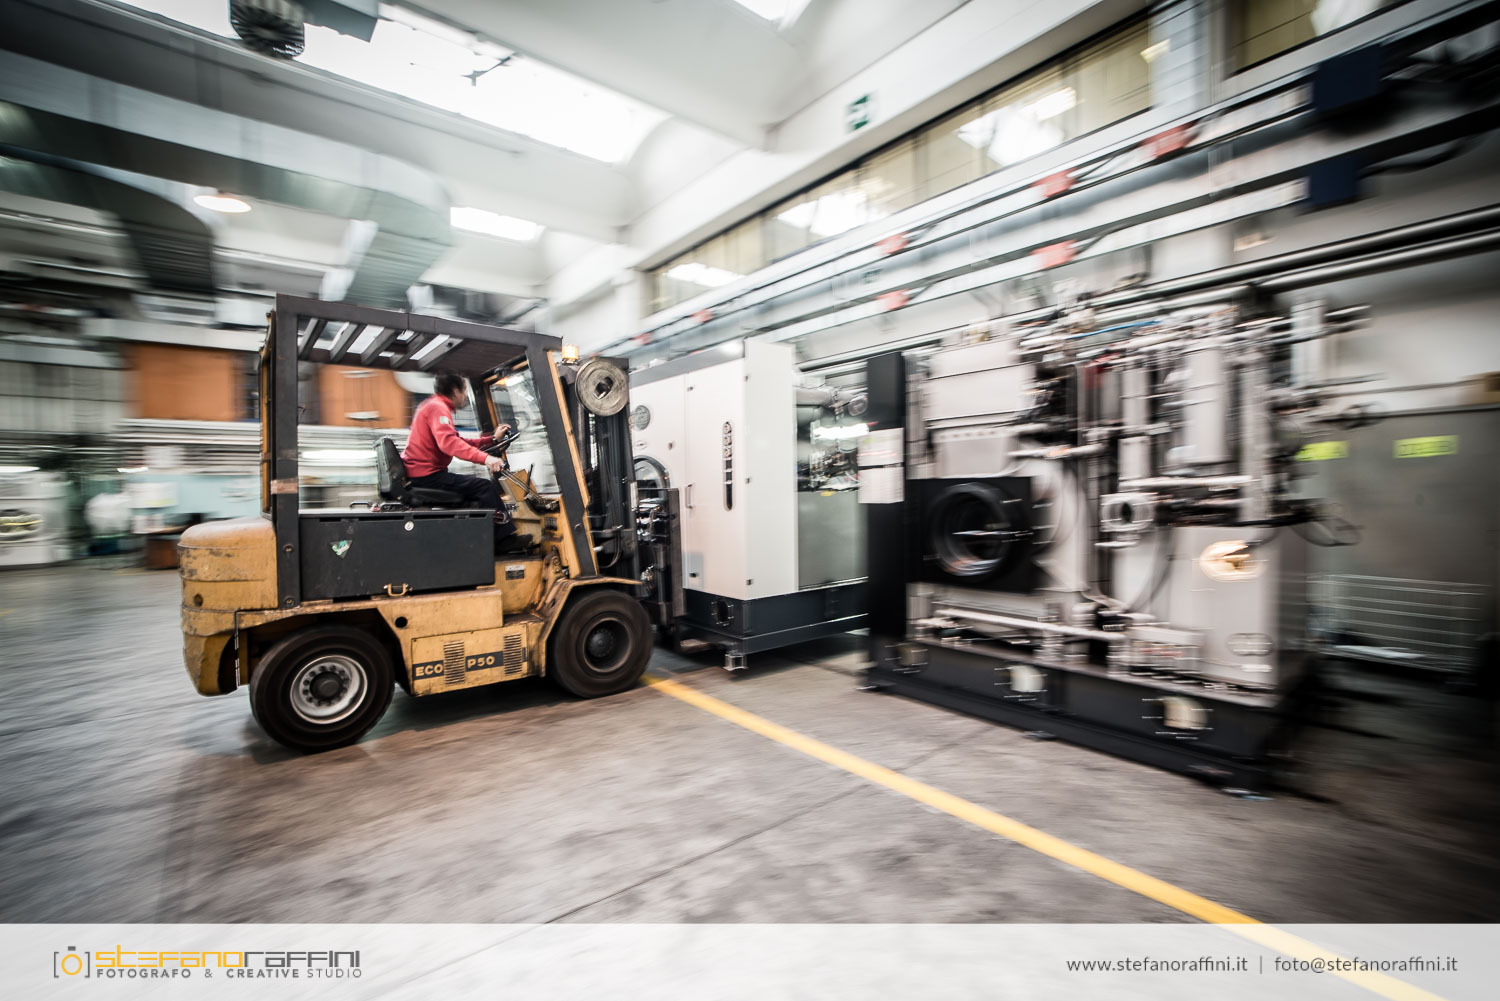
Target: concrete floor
x: 128, y: 797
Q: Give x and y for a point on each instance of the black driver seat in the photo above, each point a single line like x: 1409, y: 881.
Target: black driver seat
x: 396, y: 487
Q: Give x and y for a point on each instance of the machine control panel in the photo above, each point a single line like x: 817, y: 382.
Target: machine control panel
x: 728, y: 466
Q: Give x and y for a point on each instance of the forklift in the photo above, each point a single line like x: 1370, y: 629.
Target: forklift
x: 322, y: 612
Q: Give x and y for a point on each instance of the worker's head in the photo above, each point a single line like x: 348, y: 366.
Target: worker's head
x: 453, y: 387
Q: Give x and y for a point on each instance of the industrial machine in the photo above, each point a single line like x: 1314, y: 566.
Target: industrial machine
x: 1090, y: 529
x: 33, y: 519
x: 771, y: 550
x: 322, y: 612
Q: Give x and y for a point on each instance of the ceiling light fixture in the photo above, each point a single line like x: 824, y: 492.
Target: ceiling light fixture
x: 219, y: 202
x: 493, y: 224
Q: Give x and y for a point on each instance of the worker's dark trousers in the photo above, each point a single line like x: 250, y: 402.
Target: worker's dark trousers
x: 477, y: 491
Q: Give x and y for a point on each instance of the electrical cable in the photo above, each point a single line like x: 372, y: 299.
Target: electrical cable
x: 1332, y: 541
x: 1158, y: 573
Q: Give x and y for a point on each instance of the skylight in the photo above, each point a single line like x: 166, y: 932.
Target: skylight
x: 492, y: 224
x: 771, y: 10
x: 448, y: 68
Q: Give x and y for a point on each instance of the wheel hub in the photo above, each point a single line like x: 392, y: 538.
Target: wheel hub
x: 328, y: 688
x: 601, y: 643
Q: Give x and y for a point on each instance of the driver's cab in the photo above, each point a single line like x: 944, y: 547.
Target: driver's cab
x: 529, y: 472
x: 563, y: 446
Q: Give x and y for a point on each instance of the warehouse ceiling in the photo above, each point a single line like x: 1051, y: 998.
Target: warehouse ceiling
x: 564, y: 119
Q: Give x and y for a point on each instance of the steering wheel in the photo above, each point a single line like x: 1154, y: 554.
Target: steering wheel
x: 500, y: 444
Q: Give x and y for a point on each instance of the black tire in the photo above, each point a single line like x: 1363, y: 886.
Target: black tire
x: 336, y: 672
x: 601, y: 644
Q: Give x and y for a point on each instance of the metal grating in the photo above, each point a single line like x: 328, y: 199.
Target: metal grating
x: 515, y: 655
x: 453, y: 663
x: 1425, y: 623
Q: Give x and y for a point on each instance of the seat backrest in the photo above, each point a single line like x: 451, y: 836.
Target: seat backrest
x: 390, y: 470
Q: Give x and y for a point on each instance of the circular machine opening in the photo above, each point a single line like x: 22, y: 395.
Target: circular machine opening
x: 651, y: 474
x: 719, y: 609
x: 974, y: 530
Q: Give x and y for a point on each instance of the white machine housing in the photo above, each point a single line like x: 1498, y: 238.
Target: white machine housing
x: 723, y: 425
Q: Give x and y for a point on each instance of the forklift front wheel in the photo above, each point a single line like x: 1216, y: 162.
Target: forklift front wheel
x: 601, y: 644
x: 321, y: 687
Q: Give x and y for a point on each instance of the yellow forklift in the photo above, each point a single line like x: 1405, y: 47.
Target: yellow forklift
x: 321, y: 612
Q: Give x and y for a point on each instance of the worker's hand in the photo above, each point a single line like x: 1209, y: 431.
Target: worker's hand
x: 502, y: 431
x: 494, y: 464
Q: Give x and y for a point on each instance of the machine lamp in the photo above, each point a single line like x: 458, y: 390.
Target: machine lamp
x: 1231, y: 560
x: 220, y: 202
x: 570, y: 353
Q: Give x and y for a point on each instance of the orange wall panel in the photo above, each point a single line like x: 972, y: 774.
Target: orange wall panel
x: 169, y: 382
x: 361, y: 397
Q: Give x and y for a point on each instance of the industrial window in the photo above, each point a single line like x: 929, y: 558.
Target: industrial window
x: 728, y: 256
x: 890, y: 181
x: 1260, y: 29
x: 947, y: 156
x: 1085, y: 90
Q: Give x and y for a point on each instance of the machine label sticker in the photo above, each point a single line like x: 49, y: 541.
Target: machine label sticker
x: 1318, y: 451
x: 515, y: 571
x: 340, y: 547
x: 1422, y: 448
x: 437, y: 668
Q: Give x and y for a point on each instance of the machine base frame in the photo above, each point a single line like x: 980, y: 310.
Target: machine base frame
x: 742, y: 626
x: 1092, y: 709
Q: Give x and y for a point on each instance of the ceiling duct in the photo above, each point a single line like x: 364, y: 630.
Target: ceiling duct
x: 61, y: 113
x: 173, y: 246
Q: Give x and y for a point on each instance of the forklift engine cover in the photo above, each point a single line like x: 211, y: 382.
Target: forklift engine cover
x: 359, y: 554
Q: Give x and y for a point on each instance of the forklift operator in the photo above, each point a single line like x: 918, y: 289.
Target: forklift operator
x: 434, y: 443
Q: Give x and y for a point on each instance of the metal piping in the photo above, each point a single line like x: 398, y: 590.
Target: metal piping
x: 989, y: 618
x: 1396, y: 237
x: 1144, y: 301
x: 1360, y: 267
x: 1171, y: 482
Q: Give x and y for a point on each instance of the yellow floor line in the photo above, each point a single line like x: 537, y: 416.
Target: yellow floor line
x: 1039, y: 841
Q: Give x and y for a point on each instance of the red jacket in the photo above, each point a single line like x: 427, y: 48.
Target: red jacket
x: 434, y: 443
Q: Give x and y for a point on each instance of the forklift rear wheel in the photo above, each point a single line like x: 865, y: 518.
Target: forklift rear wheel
x: 321, y: 687
x: 601, y: 645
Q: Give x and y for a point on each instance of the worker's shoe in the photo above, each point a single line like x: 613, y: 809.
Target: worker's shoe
x: 515, y: 544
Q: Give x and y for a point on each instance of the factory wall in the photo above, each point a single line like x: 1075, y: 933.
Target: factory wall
x: 52, y: 394
x: 200, y: 384
x: 361, y: 397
